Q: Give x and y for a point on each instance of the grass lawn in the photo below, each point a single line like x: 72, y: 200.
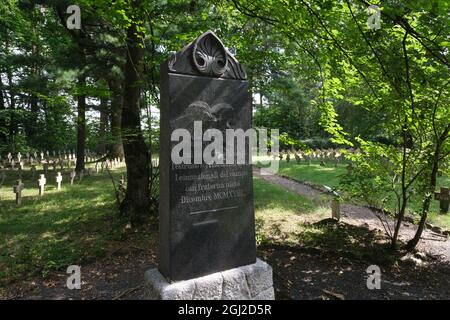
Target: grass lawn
x: 288, y: 219
x: 314, y: 173
x: 330, y: 176
x: 78, y: 223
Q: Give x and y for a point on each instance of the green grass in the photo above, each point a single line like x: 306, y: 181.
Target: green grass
x: 78, y: 223
x: 285, y: 219
x: 280, y: 213
x: 330, y: 176
x: 314, y: 173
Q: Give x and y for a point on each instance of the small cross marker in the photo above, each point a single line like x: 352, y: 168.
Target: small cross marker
x: 18, y: 191
x: 59, y: 179
x: 73, y: 174
x: 42, y: 182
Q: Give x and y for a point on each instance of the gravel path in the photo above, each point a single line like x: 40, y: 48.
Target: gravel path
x: 431, y: 243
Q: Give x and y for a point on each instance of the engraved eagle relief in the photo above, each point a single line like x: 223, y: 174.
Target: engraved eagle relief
x: 218, y: 116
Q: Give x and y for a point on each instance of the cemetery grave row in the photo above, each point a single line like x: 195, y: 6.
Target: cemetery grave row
x: 57, y: 164
x: 335, y: 156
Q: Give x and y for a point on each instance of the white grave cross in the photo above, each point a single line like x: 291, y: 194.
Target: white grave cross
x: 41, y: 183
x: 59, y: 179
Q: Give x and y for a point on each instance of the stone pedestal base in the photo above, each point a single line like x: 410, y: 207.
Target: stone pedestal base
x: 252, y: 282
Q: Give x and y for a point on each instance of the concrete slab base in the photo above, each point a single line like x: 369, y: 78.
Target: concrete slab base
x: 252, y: 282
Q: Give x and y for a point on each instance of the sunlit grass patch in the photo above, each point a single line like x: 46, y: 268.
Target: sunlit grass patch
x: 61, y: 228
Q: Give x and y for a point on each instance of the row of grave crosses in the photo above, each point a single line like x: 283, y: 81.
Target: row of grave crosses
x: 334, y: 155
x: 43, y: 157
x: 42, y: 182
x: 55, y: 163
x: 61, y: 164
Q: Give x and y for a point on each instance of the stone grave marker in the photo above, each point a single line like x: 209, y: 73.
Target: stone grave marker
x: 45, y: 167
x: 122, y: 189
x: 59, y: 179
x: 207, y: 225
x: 297, y: 157
x: 308, y: 160
x: 73, y: 174
x: 33, y: 170
x: 444, y: 199
x: 41, y: 184
x: 18, y: 188
x: 20, y: 169
x: 336, y: 209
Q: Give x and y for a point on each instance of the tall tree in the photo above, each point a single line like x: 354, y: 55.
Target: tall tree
x: 136, y: 204
x: 115, y: 86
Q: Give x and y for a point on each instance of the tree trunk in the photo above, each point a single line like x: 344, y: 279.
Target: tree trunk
x: 31, y: 128
x: 81, y: 125
x: 116, y: 118
x: 430, y: 192
x: 3, y: 135
x: 398, y: 224
x: 136, y: 204
x: 103, y: 125
x: 404, y: 200
x: 12, y: 107
x: 32, y: 124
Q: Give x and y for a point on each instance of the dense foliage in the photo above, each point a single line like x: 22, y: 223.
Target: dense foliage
x: 317, y: 72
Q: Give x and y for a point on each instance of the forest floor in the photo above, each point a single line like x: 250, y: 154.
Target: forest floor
x: 313, y: 257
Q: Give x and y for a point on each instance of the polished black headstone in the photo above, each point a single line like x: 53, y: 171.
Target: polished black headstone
x: 206, y: 211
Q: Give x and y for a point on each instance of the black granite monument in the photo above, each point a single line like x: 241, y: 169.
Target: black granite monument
x: 206, y: 210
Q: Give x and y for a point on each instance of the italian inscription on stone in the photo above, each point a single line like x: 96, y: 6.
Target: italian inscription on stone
x: 206, y: 208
